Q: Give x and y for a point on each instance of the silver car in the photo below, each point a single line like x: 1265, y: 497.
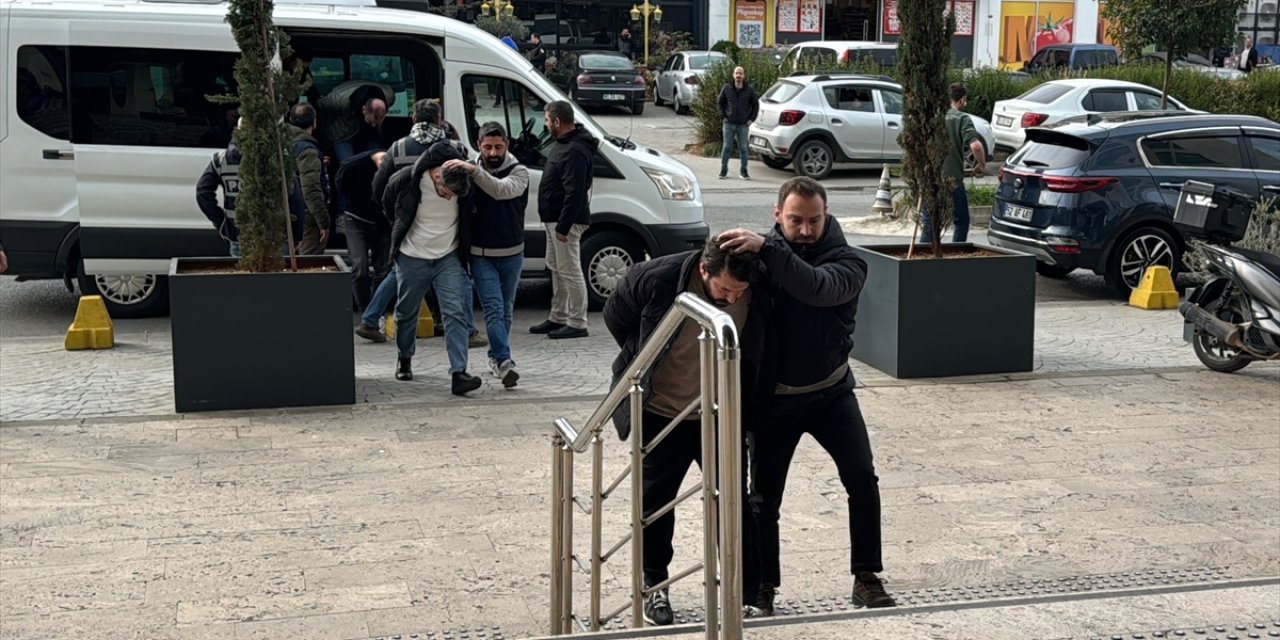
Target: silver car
x: 819, y: 121
x: 678, y: 80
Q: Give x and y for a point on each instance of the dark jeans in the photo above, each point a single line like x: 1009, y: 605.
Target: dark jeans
x: 960, y: 215
x: 370, y: 252
x: 734, y: 135
x: 838, y: 427
x: 664, y: 469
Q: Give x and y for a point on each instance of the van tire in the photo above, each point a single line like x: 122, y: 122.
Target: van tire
x: 606, y: 256
x: 637, y: 108
x: 138, y: 296
x: 814, y: 159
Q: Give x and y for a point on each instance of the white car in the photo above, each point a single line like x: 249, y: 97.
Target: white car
x: 1057, y: 100
x: 680, y: 77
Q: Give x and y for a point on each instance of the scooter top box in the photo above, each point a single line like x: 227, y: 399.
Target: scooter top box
x: 1209, y: 212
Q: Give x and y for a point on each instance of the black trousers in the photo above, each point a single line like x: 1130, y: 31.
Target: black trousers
x: 664, y: 470
x: 370, y: 250
x: 838, y: 427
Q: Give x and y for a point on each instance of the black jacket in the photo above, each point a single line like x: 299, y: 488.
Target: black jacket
x: 738, y: 106
x: 564, y: 195
x: 645, y: 295
x: 499, y: 199
x: 815, y: 294
x: 402, y: 195
x: 222, y: 170
x: 355, y: 189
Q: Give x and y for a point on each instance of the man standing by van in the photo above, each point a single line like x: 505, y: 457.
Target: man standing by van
x: 738, y: 105
x: 222, y: 172
x: 312, y: 185
x: 564, y: 206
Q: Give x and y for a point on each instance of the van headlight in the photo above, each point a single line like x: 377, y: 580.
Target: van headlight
x: 671, y: 186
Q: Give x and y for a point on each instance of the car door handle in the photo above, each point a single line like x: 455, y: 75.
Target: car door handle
x: 57, y: 154
x: 893, y: 125
x: 837, y: 121
x: 1171, y: 185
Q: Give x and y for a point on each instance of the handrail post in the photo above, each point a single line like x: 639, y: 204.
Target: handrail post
x: 729, y: 417
x: 707, y: 371
x: 597, y: 525
x: 566, y: 541
x: 637, y: 503
x: 557, y: 544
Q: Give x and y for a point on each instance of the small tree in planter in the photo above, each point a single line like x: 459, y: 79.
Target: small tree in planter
x: 924, y: 55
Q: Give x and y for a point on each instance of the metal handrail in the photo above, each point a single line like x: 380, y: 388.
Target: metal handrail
x: 721, y: 425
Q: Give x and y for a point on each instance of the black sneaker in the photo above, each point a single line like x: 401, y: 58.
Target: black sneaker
x: 546, y: 326
x: 564, y: 333
x: 370, y: 333
x: 745, y: 175
x: 507, y: 373
x: 765, y: 600
x: 464, y: 383
x: 868, y: 591
x: 657, y: 609
x: 404, y: 369
x: 722, y: 176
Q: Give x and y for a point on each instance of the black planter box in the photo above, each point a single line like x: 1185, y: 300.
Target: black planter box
x: 949, y: 317
x: 261, y: 340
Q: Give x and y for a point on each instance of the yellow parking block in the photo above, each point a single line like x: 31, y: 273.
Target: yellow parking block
x: 1156, y: 290
x: 426, y: 324
x: 92, y: 328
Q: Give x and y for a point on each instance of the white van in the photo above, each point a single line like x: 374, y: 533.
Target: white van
x: 107, y: 125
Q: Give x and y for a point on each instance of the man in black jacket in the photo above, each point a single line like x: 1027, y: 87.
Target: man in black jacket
x: 430, y: 242
x: 816, y: 279
x: 222, y: 172
x: 738, y: 105
x: 643, y: 297
x: 367, y: 230
x: 564, y: 206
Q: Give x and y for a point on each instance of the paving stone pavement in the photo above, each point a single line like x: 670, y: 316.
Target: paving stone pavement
x: 42, y: 381
x: 393, y: 519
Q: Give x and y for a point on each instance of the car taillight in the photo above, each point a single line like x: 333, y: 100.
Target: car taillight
x: 1071, y: 184
x: 638, y: 80
x: 790, y: 117
x: 584, y: 79
x: 1030, y: 119
x: 692, y: 80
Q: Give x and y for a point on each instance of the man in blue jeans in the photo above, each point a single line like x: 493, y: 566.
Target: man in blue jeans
x: 961, y: 133
x: 430, y: 241
x: 497, y: 240
x: 738, y: 105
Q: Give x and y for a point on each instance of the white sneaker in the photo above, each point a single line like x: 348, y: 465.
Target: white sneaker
x: 493, y: 368
x: 507, y: 372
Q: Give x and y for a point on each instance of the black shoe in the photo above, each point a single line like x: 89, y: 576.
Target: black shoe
x: 657, y: 609
x: 370, y: 333
x: 546, y: 326
x: 765, y: 600
x: 464, y: 383
x: 868, y: 591
x: 745, y: 176
x: 567, y: 332
x: 404, y: 369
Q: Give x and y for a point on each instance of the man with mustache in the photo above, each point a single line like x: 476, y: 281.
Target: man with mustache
x: 815, y: 278
x: 643, y: 297
x: 497, y: 240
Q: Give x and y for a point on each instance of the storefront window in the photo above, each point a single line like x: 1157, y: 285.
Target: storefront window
x: 1026, y: 27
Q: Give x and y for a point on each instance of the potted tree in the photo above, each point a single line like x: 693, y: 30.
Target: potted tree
x: 939, y: 310
x: 266, y: 330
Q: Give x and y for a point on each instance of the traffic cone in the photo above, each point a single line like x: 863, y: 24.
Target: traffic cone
x: 884, y: 199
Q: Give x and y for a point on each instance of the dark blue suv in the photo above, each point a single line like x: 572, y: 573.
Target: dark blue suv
x: 1098, y: 192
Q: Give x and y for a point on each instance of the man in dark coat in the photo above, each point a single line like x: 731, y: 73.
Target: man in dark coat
x: 738, y: 105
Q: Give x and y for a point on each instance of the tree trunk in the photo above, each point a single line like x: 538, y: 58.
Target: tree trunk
x: 1168, y: 72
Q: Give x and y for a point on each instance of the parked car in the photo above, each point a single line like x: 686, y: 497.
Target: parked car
x: 825, y: 54
x: 1056, y: 100
x: 1192, y: 62
x: 678, y: 80
x: 600, y: 79
x: 819, y: 121
x: 1100, y: 193
x: 1072, y: 56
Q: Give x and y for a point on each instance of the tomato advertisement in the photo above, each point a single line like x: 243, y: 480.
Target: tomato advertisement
x: 1026, y: 27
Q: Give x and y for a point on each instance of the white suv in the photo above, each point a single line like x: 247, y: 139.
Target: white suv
x: 819, y: 121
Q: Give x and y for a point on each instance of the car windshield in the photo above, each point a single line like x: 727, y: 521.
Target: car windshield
x: 604, y: 61
x: 701, y: 61
x: 1045, y: 93
x: 782, y: 92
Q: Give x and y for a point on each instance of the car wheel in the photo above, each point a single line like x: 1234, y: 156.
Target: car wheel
x: 606, y: 256
x: 1140, y: 249
x: 814, y: 159
x: 128, y: 296
x: 657, y: 96
x: 1052, y: 270
x: 637, y: 108
x: 680, y: 107
x: 775, y: 163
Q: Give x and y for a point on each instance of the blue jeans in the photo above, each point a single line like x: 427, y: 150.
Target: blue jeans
x: 386, y: 293
x: 960, y: 215
x: 415, y: 276
x: 733, y: 134
x: 496, y: 281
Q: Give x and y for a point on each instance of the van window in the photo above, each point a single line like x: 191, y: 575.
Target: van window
x: 390, y: 70
x: 327, y: 73
x: 151, y: 97
x: 516, y: 108
x: 42, y: 90
x: 1219, y: 152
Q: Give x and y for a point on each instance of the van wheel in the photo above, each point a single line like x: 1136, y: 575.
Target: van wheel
x: 775, y: 163
x: 1141, y: 248
x: 606, y: 256
x: 637, y: 108
x: 128, y: 296
x: 814, y: 159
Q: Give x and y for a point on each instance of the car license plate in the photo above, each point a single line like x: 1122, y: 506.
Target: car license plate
x: 757, y: 140
x: 614, y: 96
x: 1014, y: 212
x: 1004, y: 121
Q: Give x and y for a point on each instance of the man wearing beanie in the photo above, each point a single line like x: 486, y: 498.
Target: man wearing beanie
x: 430, y: 243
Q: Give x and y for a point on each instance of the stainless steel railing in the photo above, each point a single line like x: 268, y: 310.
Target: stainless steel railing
x: 719, y: 403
